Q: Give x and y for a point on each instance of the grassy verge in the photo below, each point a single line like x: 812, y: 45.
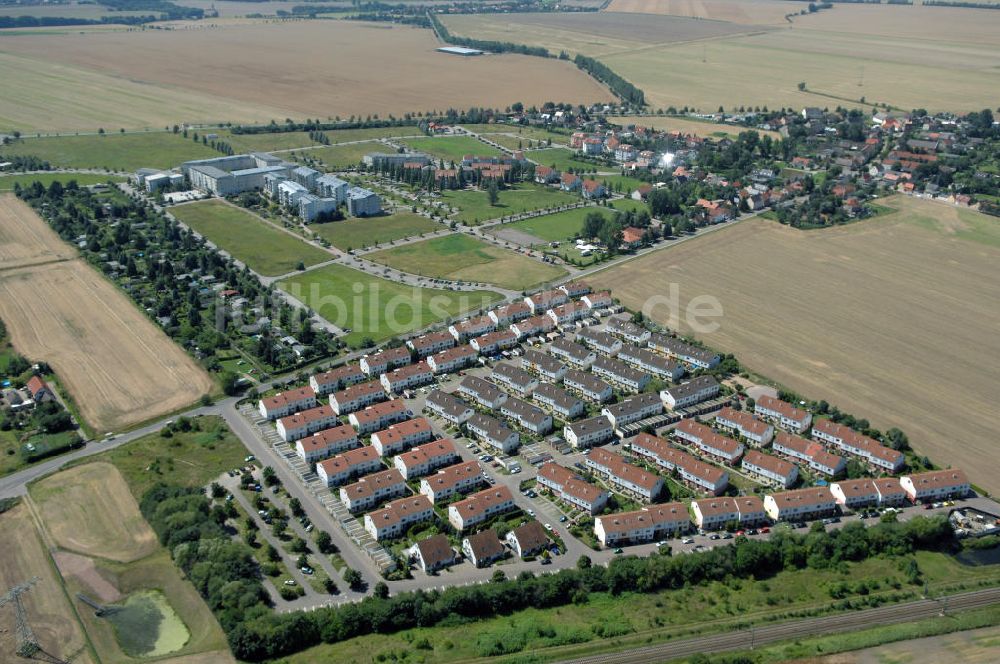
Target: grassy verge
x: 452, y: 148
x: 474, y: 205
x: 264, y: 249
x: 362, y: 233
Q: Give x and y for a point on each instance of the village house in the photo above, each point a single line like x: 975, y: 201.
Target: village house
x: 546, y: 175
x: 650, y: 523
x: 627, y: 330
x: 709, y: 442
x: 687, y: 394
x: 723, y: 512
x: 935, y: 485
x: 429, y: 344
x: 572, y: 352
x: 393, y: 520
x: 559, y: 401
x: 569, y: 182
x: 492, y: 432
x: 543, y: 364
x: 448, y: 407
x: 483, y: 548
x: 702, y: 476
x: 534, y: 326
x: 650, y: 362
x: 510, y: 313
x: 402, y: 436
x: 746, y: 425
x: 347, y: 465
x: 856, y: 444
x: 800, y: 504
x: 279, y: 405
x: 382, y: 361
x: 326, y: 443
x: 629, y: 479
x: 684, y: 352
x: 452, y: 480
x: 514, y: 378
x: 527, y: 539
x: 601, y: 300
x: 809, y: 452
x: 588, y: 385
x: 770, y: 469
x: 589, y: 432
x: 633, y: 409
x: 602, y: 342
x: 492, y: 343
x: 301, y: 424
x: 480, y: 507
x: 783, y: 414
x: 545, y: 300
x: 425, y: 458
x: 372, y: 489
x: 379, y: 416
x: 408, y: 377
x: 622, y: 374
x: 452, y: 359
x: 473, y: 327
x: 571, y: 488
x: 632, y: 238
x: 483, y: 392
x: 434, y: 553
x: 527, y: 416
x: 336, y: 379
x: 356, y: 397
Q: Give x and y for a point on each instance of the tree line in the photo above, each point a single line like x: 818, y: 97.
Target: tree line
x: 261, y: 636
x: 618, y: 85
x: 486, y: 45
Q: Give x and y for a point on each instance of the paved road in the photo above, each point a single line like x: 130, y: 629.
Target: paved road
x: 765, y: 634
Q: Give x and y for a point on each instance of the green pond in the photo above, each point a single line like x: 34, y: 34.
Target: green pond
x: 147, y: 626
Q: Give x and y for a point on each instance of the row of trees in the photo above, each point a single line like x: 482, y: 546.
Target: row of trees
x: 261, y: 637
x: 618, y: 85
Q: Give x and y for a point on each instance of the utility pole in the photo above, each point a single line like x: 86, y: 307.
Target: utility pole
x: 27, y: 643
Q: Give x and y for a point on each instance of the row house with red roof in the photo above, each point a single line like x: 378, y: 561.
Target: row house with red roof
x: 326, y: 443
x: 402, y: 436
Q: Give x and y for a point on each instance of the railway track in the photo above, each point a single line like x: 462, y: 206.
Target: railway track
x: 766, y: 634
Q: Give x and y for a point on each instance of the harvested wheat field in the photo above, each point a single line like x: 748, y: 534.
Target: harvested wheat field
x: 750, y: 12
x: 24, y: 241
x: 95, y: 494
x: 22, y: 556
x: 260, y: 72
x: 119, y: 368
x: 893, y: 319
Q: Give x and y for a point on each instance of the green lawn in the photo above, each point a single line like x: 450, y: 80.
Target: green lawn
x: 187, y: 458
x: 464, y: 258
x: 285, y: 140
x: 263, y: 248
x: 7, y: 182
x: 377, y: 308
x: 553, y: 227
x: 341, y: 156
x: 452, y: 148
x: 626, y: 204
x: 359, y: 233
x: 369, y: 133
x: 561, y: 159
x: 474, y: 204
x: 604, y: 622
x: 120, y: 152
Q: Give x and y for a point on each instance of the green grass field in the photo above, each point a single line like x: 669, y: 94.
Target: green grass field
x: 342, y: 156
x: 605, y: 622
x: 452, y: 148
x: 7, y: 182
x: 553, y: 227
x: 561, y: 159
x: 474, y: 205
x: 118, y: 152
x: 360, y: 233
x: 186, y: 458
x: 464, y: 258
x: 378, y: 308
x: 285, y: 140
x: 263, y: 248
